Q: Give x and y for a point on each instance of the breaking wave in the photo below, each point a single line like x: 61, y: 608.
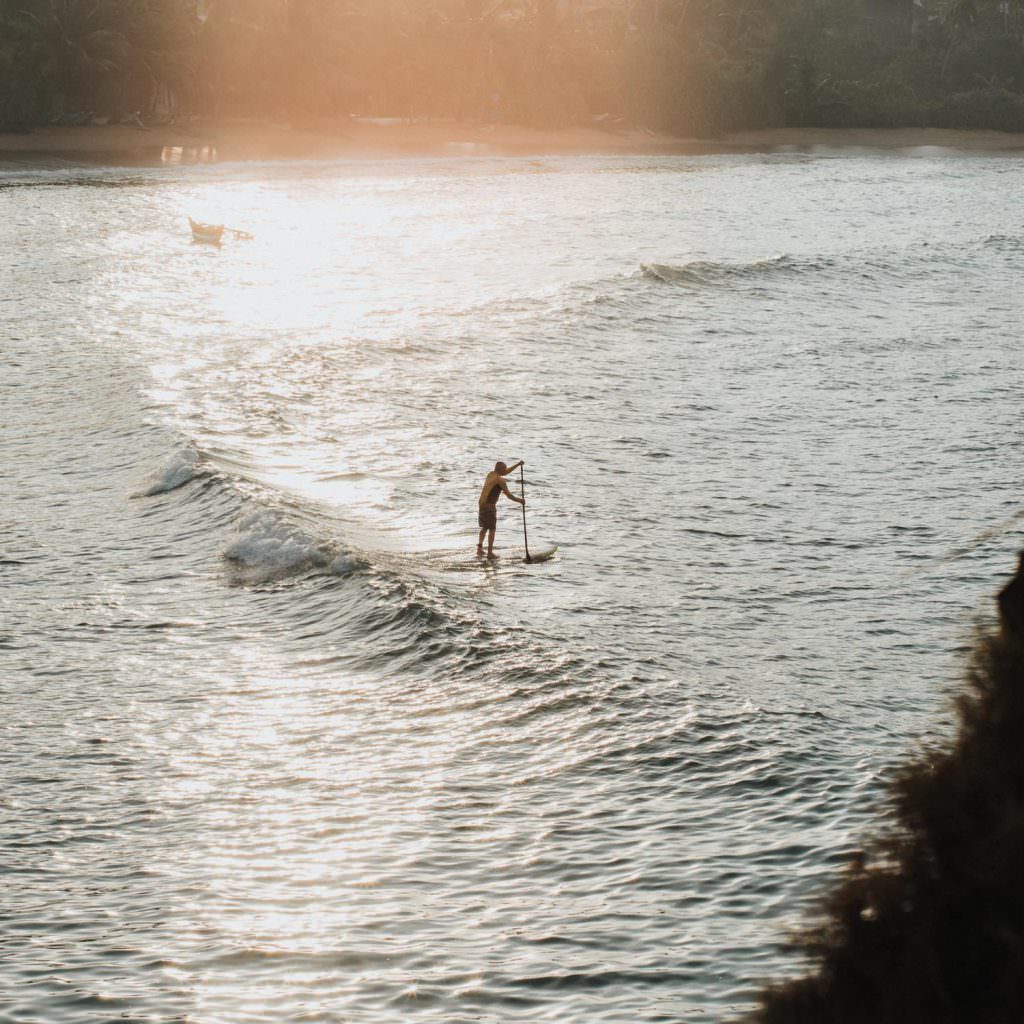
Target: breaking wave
x: 183, y: 467
x: 265, y: 547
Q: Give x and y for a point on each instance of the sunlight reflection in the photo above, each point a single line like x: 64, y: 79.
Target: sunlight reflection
x: 297, y: 791
x: 188, y: 154
x: 309, y: 262
x: 337, y: 257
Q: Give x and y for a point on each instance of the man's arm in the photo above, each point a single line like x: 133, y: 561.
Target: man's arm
x: 509, y: 494
x: 513, y: 467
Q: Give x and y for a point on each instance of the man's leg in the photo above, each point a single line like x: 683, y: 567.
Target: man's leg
x: 490, y: 543
x: 480, y: 541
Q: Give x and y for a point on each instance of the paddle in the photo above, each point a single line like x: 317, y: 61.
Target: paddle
x: 522, y: 494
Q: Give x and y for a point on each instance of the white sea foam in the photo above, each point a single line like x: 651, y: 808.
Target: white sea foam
x: 265, y: 545
x: 182, y: 467
x: 342, y: 565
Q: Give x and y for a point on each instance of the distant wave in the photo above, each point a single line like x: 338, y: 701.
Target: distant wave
x: 624, y: 291
x: 705, y: 273
x: 902, y: 261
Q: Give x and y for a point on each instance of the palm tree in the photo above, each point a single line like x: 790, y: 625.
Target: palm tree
x: 20, y: 71
x: 80, y: 46
x: 961, y: 15
x: 161, y: 37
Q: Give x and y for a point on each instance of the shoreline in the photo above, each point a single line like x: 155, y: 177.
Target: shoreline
x: 383, y: 138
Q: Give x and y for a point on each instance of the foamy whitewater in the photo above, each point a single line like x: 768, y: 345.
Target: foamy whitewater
x: 276, y: 748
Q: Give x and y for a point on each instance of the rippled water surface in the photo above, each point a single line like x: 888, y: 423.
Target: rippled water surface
x: 276, y: 747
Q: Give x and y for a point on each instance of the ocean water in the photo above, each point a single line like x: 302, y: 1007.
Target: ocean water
x: 276, y: 748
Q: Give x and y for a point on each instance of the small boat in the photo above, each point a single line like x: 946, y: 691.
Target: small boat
x: 209, y: 233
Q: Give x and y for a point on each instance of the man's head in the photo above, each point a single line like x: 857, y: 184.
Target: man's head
x: 500, y: 467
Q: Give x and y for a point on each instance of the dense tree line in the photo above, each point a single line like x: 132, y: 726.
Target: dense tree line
x: 687, y: 66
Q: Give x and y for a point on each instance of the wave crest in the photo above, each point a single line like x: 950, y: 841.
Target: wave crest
x: 265, y: 546
x: 181, y: 468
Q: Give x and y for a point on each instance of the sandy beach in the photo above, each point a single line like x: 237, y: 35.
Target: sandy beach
x: 363, y: 137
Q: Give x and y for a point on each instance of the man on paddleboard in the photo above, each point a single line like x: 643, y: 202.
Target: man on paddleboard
x: 494, y: 487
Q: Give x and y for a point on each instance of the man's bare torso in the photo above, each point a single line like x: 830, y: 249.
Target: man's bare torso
x: 493, y: 484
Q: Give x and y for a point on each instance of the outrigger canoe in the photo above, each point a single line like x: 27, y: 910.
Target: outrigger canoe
x: 209, y: 233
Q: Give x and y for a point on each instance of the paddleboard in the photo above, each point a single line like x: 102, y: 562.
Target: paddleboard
x: 467, y: 561
x: 541, y: 554
x: 517, y: 556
